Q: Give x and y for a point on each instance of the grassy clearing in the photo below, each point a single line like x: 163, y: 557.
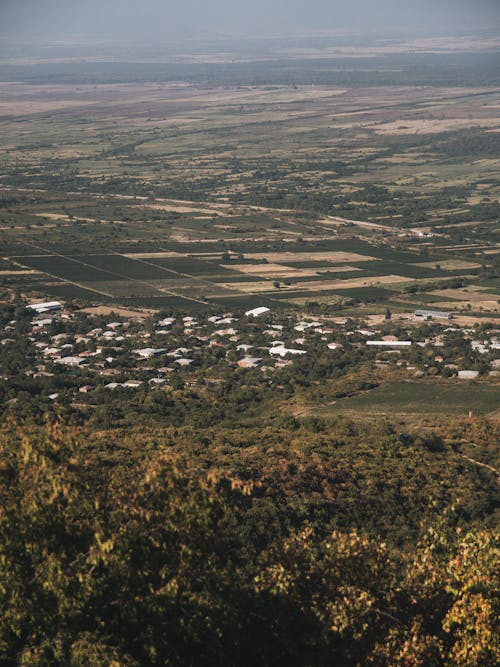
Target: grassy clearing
x: 421, y: 398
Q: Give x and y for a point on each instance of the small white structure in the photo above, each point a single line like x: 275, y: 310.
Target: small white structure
x: 112, y: 385
x: 389, y: 343
x: 249, y: 362
x: 226, y: 320
x: 225, y: 332
x: 257, y: 312
x: 51, y: 351
x: 132, y: 384
x: 283, y: 351
x: 69, y: 361
x: 168, y: 321
x: 148, y: 352
x: 303, y: 326
x: 184, y: 362
x: 43, y: 323
x: 468, y: 375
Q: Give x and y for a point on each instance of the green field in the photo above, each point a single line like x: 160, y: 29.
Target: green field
x: 421, y: 398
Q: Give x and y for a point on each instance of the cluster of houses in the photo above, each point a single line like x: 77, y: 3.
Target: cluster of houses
x: 138, y: 352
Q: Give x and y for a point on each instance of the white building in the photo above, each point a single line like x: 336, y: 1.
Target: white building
x: 257, y: 312
x: 468, y: 375
x: 283, y: 351
x: 389, y: 343
x: 70, y: 361
x: 46, y: 307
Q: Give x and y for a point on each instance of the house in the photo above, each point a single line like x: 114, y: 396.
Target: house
x: 184, y: 362
x: 69, y: 361
x: 132, y: 384
x: 168, y: 321
x: 303, y: 326
x: 40, y: 324
x: 468, y: 375
x: 389, y: 343
x: 249, y: 362
x: 52, y: 352
x: 179, y: 352
x: 271, y: 332
x: 225, y: 332
x: 225, y: 320
x: 283, y: 351
x: 148, y: 352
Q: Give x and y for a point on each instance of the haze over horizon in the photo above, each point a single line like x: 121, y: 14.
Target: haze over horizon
x: 154, y: 19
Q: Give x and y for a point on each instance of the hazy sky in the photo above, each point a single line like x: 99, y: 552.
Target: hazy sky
x: 154, y: 18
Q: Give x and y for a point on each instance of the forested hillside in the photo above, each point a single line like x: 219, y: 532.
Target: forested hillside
x: 315, y: 543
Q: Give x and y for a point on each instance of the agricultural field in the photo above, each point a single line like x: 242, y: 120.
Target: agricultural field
x: 433, y: 400
x: 101, y: 262
x: 214, y: 187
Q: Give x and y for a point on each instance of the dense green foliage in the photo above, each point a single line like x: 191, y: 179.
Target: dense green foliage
x: 181, y: 555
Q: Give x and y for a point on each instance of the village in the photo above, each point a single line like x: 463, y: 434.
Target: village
x: 57, y: 353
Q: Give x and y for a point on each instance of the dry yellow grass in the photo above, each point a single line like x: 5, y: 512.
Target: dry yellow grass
x: 249, y: 288
x: 120, y: 312
x: 152, y: 255
x: 484, y: 304
x: 29, y: 106
x: 329, y: 256
x: 319, y: 285
x: 433, y: 125
x: 271, y: 270
x: 19, y: 273
x: 470, y: 295
x: 182, y: 208
x: 450, y: 264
